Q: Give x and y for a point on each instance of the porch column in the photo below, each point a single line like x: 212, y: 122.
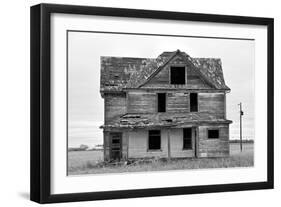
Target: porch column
x: 196, y: 140
x: 169, y: 144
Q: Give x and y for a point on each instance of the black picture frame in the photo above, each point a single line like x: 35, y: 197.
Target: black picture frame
x: 41, y: 102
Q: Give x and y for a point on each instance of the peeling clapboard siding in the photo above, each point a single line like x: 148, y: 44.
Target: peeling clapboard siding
x: 141, y: 102
x: 177, y: 144
x: 114, y: 106
x: 178, y: 102
x: 214, y: 147
x: 212, y: 103
x: 138, y: 144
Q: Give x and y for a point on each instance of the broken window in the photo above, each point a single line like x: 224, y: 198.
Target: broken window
x: 161, y: 102
x: 177, y: 75
x: 187, y: 138
x: 154, y: 139
x: 213, y: 134
x: 193, y: 102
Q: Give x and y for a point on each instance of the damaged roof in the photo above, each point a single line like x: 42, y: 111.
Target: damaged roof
x: 119, y: 73
x: 163, y: 120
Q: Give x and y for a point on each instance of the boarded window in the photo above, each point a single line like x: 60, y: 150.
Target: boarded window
x: 177, y: 75
x: 161, y: 102
x: 213, y: 134
x: 154, y: 140
x: 187, y: 138
x: 193, y: 102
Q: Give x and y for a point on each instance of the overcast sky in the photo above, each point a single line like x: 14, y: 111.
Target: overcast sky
x: 86, y: 105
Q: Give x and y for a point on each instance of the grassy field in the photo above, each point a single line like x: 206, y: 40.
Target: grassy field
x: 87, y: 162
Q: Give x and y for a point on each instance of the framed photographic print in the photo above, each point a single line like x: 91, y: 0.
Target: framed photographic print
x: 133, y: 103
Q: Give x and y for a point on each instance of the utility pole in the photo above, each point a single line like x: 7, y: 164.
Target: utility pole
x: 241, y: 114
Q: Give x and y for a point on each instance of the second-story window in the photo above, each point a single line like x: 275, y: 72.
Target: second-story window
x: 177, y: 75
x: 193, y: 102
x: 161, y: 99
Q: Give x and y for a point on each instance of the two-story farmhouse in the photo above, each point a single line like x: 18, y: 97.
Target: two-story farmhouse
x: 172, y: 106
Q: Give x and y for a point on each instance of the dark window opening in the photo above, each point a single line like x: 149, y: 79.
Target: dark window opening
x: 213, y: 134
x: 154, y: 140
x: 115, y: 141
x: 187, y: 138
x: 161, y: 102
x: 193, y: 102
x: 177, y: 75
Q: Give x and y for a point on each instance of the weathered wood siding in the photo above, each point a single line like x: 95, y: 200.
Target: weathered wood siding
x: 125, y: 144
x: 138, y: 144
x: 106, y: 145
x: 192, y: 77
x: 177, y: 102
x: 214, y: 147
x: 212, y: 103
x: 176, y: 137
x: 114, y: 106
x: 146, y: 102
x: 141, y: 102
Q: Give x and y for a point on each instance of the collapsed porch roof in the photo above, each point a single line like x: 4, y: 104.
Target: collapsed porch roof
x: 173, y: 120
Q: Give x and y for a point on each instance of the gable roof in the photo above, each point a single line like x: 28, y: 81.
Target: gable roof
x: 118, y: 73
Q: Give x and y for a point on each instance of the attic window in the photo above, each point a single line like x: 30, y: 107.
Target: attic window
x: 177, y: 75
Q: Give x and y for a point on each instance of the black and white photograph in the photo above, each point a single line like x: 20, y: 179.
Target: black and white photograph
x: 141, y: 102
x: 129, y: 103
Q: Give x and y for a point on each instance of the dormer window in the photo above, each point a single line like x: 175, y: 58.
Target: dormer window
x: 177, y: 75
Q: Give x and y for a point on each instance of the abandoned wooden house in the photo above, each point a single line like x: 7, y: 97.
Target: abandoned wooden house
x: 173, y: 106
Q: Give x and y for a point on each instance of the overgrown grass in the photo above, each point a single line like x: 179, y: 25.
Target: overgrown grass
x: 90, y: 163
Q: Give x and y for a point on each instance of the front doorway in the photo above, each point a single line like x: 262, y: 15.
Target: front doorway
x: 190, y: 139
x: 115, y: 145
